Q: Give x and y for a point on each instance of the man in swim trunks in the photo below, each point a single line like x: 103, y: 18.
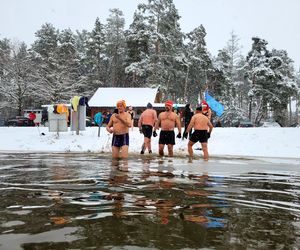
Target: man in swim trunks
x: 203, y: 128
x: 146, y: 123
x: 119, y: 125
x: 167, y: 120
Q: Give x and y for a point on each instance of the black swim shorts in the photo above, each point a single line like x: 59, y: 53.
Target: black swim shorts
x: 199, y: 136
x: 147, y: 130
x: 167, y: 137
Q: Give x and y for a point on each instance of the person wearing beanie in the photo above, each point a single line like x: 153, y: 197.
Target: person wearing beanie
x: 202, y: 130
x: 146, y: 123
x: 149, y: 105
x: 167, y: 121
x: 119, y: 125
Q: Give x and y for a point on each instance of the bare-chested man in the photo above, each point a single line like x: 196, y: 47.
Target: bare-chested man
x: 119, y: 125
x: 203, y: 128
x: 146, y: 123
x: 167, y: 120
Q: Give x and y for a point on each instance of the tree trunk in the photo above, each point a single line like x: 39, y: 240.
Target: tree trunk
x: 290, y: 110
x: 250, y: 108
x: 185, y: 85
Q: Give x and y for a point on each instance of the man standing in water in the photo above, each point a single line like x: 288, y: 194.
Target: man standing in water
x: 203, y: 128
x: 146, y: 123
x: 119, y: 125
x: 167, y: 120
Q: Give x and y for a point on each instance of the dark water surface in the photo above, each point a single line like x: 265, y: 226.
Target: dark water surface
x: 88, y: 201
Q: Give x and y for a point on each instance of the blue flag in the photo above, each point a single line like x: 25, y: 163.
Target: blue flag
x: 214, y: 104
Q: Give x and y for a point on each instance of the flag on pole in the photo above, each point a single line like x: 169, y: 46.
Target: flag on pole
x: 214, y: 104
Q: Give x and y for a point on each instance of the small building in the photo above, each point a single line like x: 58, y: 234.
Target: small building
x: 104, y: 100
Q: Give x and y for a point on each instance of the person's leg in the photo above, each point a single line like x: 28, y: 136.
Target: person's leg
x: 190, y: 148
x: 205, y: 151
x: 161, y: 149
x: 170, y: 149
x: 115, y: 152
x: 183, y: 137
x: 143, y: 147
x: 147, y: 143
x: 124, y: 151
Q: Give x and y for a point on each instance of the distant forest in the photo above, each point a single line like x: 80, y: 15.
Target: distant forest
x: 152, y: 52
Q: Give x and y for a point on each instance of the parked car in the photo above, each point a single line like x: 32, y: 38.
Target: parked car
x: 2, y: 122
x: 246, y: 124
x: 89, y: 122
x: 20, y: 121
x: 270, y: 125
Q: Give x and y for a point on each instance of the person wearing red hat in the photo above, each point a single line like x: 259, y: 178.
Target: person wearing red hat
x: 167, y: 121
x: 119, y: 125
x: 206, y: 109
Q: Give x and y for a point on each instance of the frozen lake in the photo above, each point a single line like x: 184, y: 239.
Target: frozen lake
x: 89, y: 201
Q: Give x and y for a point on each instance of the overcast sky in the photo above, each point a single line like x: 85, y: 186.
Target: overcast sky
x: 277, y: 21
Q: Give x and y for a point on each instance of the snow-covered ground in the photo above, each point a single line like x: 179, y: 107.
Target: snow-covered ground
x: 235, y: 142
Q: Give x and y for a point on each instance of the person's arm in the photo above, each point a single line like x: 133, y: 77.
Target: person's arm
x: 178, y: 124
x: 154, y: 117
x: 191, y: 125
x: 209, y: 114
x: 109, y: 125
x: 158, y: 122
x: 140, y: 122
x: 126, y: 121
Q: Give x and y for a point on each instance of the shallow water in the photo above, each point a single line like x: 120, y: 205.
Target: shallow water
x: 89, y: 201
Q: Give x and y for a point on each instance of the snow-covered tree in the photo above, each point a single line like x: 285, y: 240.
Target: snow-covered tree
x: 115, y: 47
x: 270, y: 82
x: 229, y: 84
x: 94, y: 59
x: 137, y: 41
x: 200, y: 64
x: 159, y: 55
x: 53, y: 78
x: 16, y: 72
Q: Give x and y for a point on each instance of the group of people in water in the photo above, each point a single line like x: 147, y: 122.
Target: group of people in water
x: 166, y: 121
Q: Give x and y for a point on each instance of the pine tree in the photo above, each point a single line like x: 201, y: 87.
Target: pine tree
x: 270, y: 88
x: 137, y: 47
x: 201, y: 64
x: 159, y: 55
x: 115, y: 48
x: 43, y: 53
x: 15, y: 84
x: 68, y: 60
x: 94, y: 58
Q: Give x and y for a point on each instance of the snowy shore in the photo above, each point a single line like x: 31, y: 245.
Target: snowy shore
x: 235, y: 142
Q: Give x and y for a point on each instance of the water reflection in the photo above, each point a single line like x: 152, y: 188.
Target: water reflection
x: 147, y: 202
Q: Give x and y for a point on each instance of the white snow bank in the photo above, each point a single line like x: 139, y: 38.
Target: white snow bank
x: 242, y: 142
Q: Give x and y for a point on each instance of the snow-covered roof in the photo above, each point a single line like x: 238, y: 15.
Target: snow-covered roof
x: 136, y: 97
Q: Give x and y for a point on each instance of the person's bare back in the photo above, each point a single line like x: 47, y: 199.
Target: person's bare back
x: 200, y: 122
